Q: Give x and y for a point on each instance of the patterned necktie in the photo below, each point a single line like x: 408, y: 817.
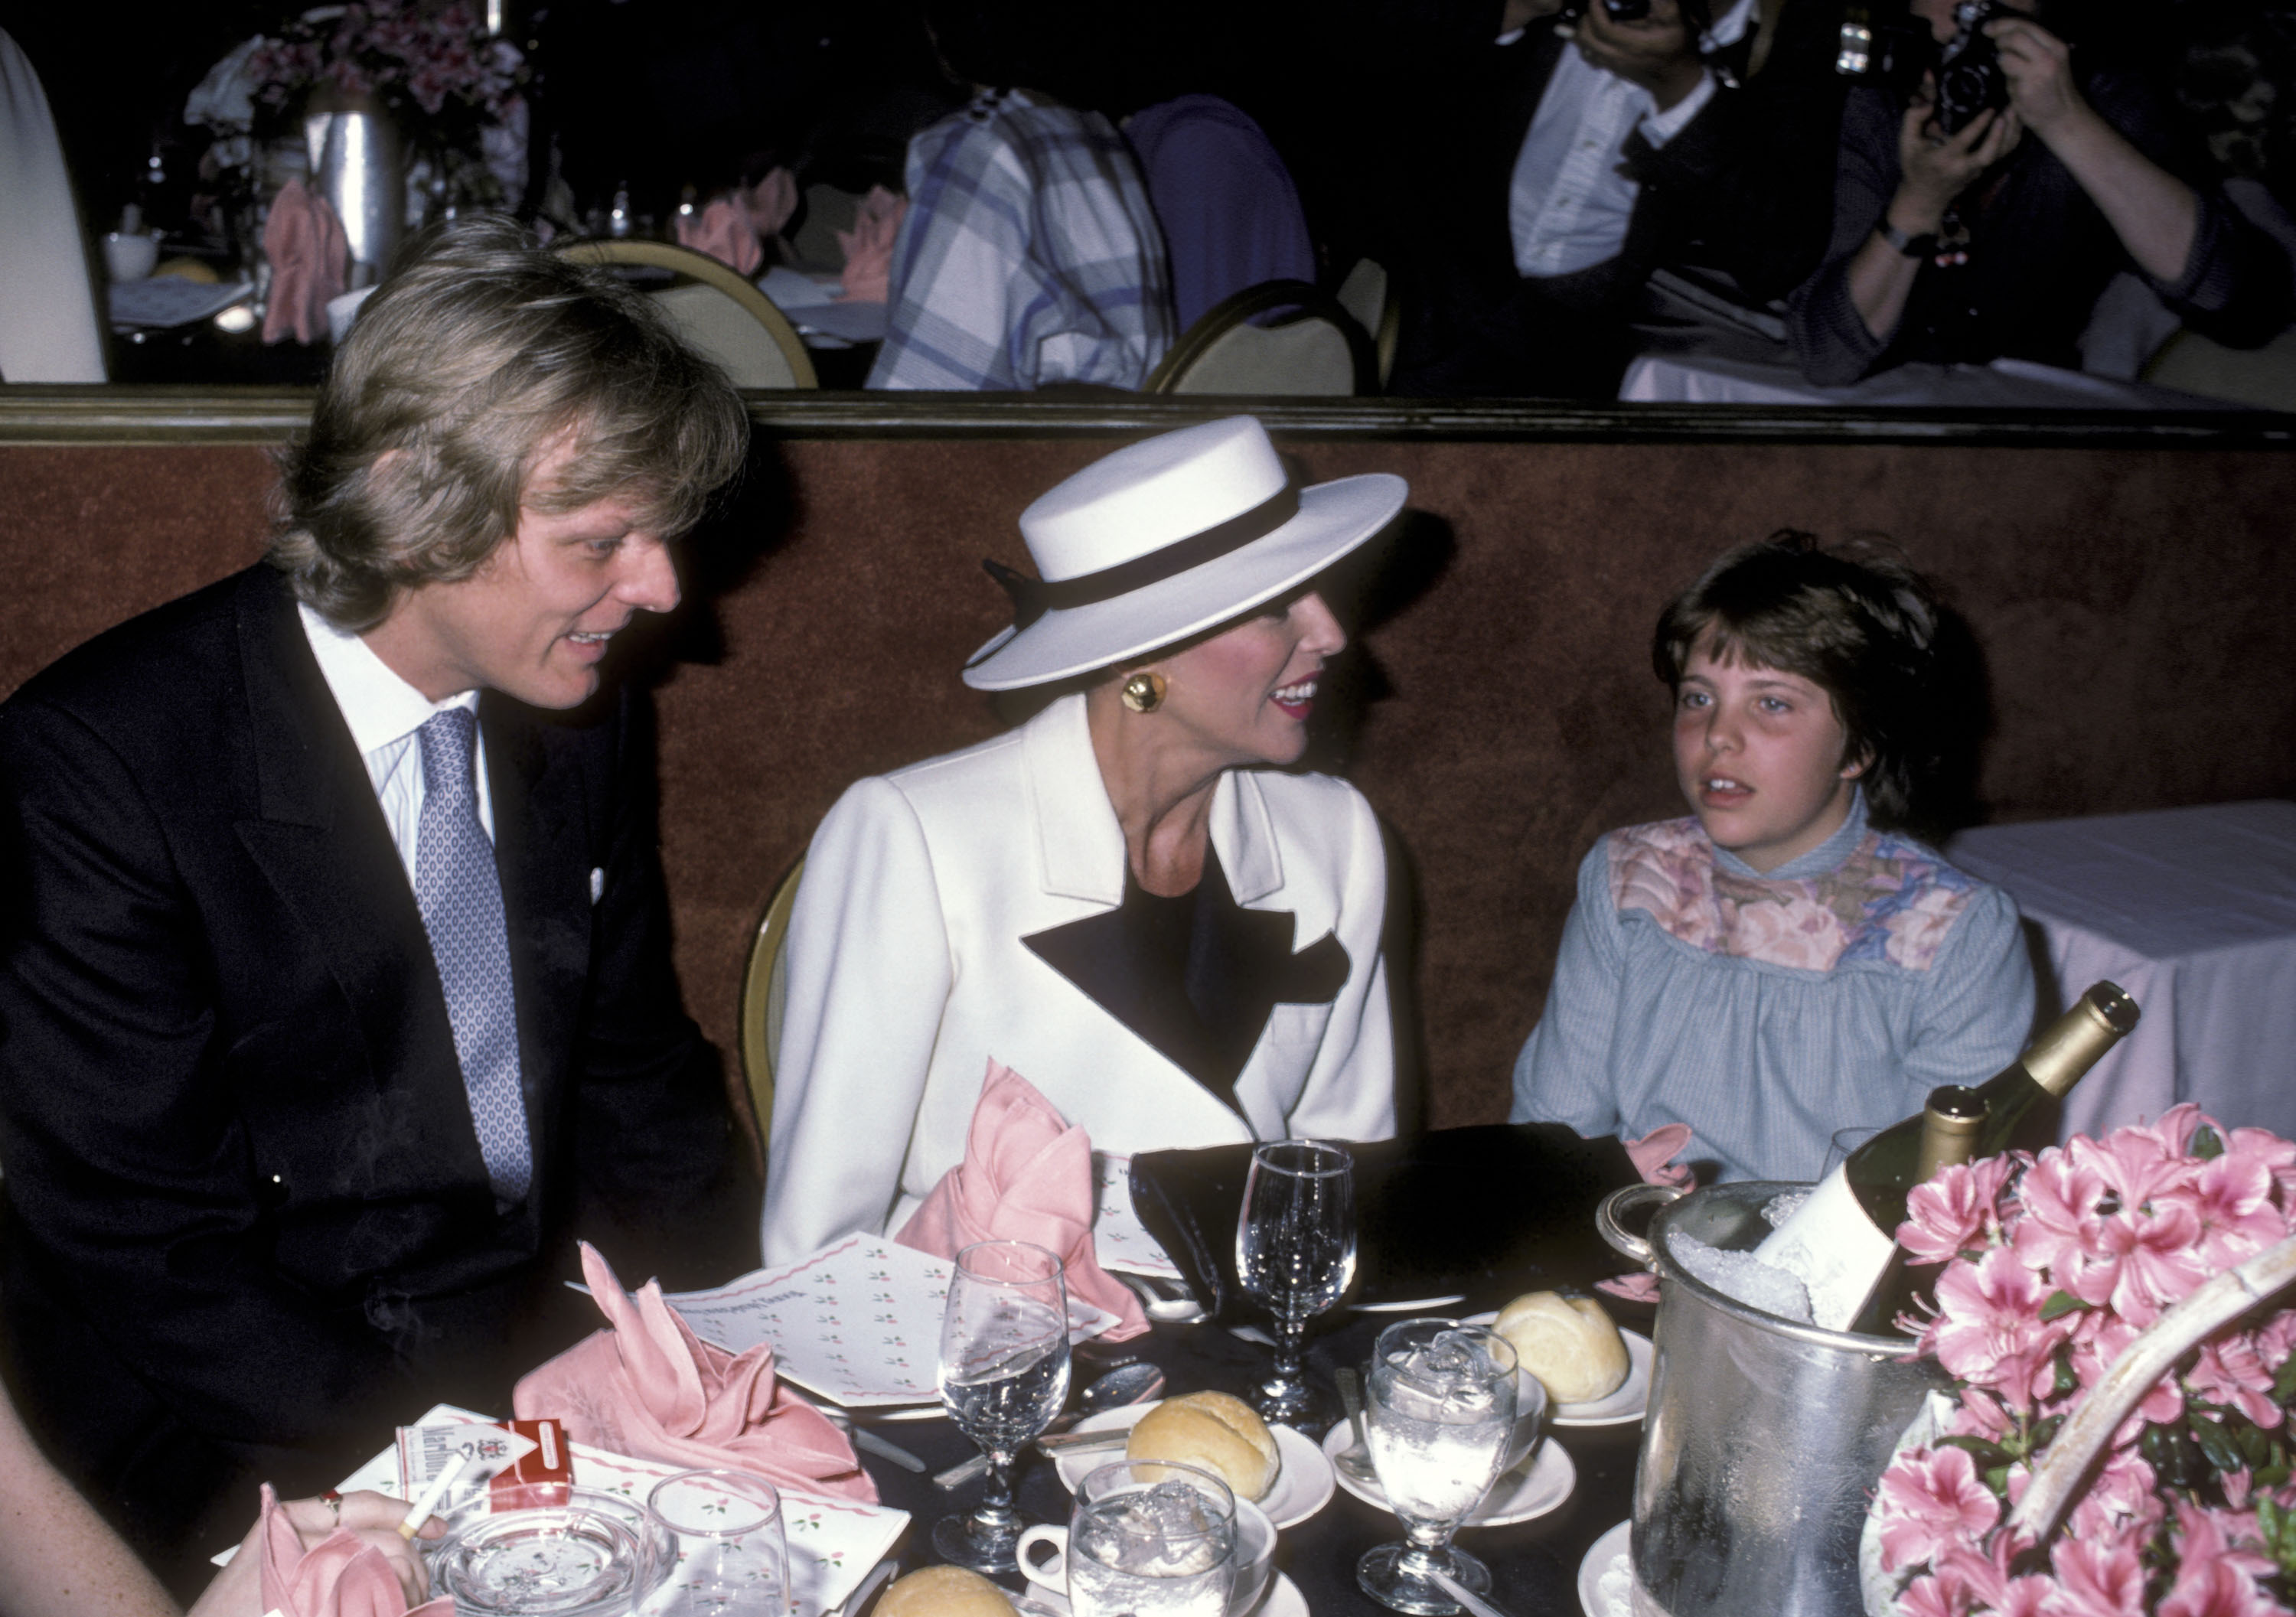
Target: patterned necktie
x: 460, y: 894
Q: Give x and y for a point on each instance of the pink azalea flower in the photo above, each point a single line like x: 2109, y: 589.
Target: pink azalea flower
x: 1954, y: 1212
x: 2124, y: 1503
x: 2095, y: 1581
x: 1983, y: 1576
x: 1932, y: 1596
x: 1989, y: 1328
x: 2231, y: 1372
x: 1930, y: 1499
x: 2148, y: 1263
x: 2234, y: 1197
x: 2218, y: 1570
x: 2058, y: 1198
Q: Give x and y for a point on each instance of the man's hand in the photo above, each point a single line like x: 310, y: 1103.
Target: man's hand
x: 1938, y: 168
x: 1655, y: 51
x: 2039, y: 69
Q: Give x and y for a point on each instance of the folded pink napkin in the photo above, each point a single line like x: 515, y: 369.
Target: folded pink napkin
x: 724, y: 232
x: 650, y: 1387
x: 341, y: 1576
x: 770, y: 202
x: 1653, y: 1156
x: 869, y: 246
x: 1027, y: 1175
x: 309, y: 256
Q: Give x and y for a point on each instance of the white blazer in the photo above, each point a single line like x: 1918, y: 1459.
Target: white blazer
x: 907, y: 973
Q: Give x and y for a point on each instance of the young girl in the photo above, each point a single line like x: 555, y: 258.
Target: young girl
x: 1787, y: 962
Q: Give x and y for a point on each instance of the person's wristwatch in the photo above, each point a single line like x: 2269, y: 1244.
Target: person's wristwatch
x: 1913, y: 247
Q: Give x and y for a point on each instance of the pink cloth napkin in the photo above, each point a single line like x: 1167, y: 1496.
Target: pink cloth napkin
x: 1027, y: 1175
x: 650, y: 1387
x: 723, y: 231
x: 310, y: 259
x: 341, y: 1576
x: 1653, y: 1156
x: 869, y: 246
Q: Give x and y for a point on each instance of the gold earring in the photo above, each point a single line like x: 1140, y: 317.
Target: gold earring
x: 1144, y: 692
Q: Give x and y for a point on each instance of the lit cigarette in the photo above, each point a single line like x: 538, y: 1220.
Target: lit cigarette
x: 424, y: 1507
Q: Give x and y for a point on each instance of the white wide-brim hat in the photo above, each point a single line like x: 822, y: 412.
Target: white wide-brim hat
x: 1164, y: 539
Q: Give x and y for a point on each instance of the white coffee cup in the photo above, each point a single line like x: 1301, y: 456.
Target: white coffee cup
x: 1255, y: 1557
x: 130, y: 256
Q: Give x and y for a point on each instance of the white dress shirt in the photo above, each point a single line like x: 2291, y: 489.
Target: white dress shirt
x: 1569, y: 204
x: 383, y: 713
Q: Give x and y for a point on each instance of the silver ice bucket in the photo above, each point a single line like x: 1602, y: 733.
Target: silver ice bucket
x: 1764, y: 1440
x: 357, y: 165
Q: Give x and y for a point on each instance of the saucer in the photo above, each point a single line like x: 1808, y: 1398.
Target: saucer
x: 1283, y: 1599
x: 1303, y: 1477
x: 1518, y: 1495
x: 1609, y: 1556
x: 1621, y: 1407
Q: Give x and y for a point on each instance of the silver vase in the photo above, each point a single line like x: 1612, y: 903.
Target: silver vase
x: 358, y: 164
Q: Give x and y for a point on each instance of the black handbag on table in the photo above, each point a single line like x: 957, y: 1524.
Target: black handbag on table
x: 1489, y: 1211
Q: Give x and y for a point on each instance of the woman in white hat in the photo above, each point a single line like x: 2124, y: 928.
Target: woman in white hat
x: 1125, y: 899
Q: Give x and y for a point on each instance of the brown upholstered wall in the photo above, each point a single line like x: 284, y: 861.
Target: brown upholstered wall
x: 2134, y: 606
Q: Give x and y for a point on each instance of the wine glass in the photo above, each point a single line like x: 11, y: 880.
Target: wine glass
x: 1439, y: 1420
x: 1295, y: 1250
x: 1004, y: 1376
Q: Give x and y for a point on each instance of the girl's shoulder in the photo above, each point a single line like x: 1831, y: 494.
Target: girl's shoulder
x: 1891, y: 903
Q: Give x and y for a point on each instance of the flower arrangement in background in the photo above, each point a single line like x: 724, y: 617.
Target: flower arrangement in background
x: 2053, y: 1264
x: 456, y: 93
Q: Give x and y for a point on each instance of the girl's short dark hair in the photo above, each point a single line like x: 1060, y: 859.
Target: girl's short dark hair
x: 1855, y: 623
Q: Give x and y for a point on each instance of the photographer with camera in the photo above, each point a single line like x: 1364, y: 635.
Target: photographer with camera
x: 1600, y: 144
x: 1983, y: 218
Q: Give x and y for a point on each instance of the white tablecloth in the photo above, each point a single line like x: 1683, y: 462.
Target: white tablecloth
x: 2193, y: 911
x: 2005, y: 385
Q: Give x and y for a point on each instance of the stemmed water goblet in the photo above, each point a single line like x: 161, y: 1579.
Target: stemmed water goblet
x: 1440, y: 1420
x: 1004, y: 1376
x: 1295, y: 1250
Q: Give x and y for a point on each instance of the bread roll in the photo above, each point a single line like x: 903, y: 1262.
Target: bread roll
x: 1224, y: 1436
x: 1569, y: 1344
x: 944, y: 1591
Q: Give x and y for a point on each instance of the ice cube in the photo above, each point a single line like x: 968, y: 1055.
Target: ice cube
x: 1782, y: 1206
x: 1742, y: 1277
x: 1163, y: 1531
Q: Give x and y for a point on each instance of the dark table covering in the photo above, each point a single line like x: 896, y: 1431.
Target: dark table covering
x: 1534, y: 1564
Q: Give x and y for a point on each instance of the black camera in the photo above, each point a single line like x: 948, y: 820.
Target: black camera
x: 1968, y: 77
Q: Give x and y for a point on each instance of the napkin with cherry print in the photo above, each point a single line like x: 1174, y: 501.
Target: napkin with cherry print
x: 648, y: 1387
x: 1027, y: 1175
x: 341, y: 1576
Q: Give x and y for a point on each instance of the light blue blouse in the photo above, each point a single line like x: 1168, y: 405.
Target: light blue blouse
x: 1766, y: 1012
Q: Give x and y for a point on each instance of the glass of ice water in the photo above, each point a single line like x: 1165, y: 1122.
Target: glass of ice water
x: 1441, y: 1416
x: 1152, y: 1541
x: 1004, y: 1376
x: 1295, y: 1250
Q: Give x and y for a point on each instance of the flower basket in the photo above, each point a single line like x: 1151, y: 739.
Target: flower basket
x: 2118, y: 1439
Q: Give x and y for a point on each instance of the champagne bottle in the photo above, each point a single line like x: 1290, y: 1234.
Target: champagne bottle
x: 1951, y: 1124
x: 1839, y: 1240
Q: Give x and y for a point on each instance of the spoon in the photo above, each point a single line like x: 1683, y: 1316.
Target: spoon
x: 1355, y: 1459
x: 1133, y: 1383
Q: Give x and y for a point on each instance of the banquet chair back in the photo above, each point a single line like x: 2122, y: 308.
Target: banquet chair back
x: 1315, y: 349
x: 717, y: 311
x: 1368, y: 293
x: 765, y: 996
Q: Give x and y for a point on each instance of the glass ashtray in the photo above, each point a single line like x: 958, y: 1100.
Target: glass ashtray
x: 583, y: 1559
